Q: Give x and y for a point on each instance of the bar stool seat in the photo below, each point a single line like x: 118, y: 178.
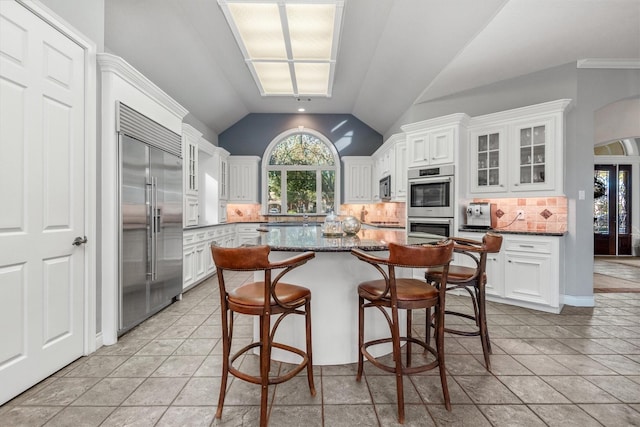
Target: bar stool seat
x: 264, y: 299
x: 390, y: 294
x: 473, y: 280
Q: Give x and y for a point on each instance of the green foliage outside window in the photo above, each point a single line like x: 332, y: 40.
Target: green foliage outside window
x: 307, y: 165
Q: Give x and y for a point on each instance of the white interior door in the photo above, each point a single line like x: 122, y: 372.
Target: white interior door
x: 42, y: 196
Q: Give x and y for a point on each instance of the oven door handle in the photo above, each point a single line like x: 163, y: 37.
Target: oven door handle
x: 431, y: 220
x: 440, y: 180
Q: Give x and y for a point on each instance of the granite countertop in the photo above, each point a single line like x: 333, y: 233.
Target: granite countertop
x: 385, y: 224
x: 310, y: 238
x: 504, y: 231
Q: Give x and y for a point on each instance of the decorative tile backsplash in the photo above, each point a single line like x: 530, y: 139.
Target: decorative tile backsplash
x: 542, y: 214
x: 376, y: 212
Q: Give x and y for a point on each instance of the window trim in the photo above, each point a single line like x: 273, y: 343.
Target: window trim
x: 266, y: 167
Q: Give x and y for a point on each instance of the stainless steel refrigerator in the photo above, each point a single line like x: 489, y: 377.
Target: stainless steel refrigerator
x: 151, y: 218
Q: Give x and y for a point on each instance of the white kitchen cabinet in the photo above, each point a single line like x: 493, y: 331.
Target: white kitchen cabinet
x: 532, y: 270
x: 488, y: 159
x: 226, y: 236
x: 247, y: 233
x: 519, y: 151
x: 358, y: 179
x: 222, y: 211
x: 526, y: 272
x: 190, y: 137
x: 222, y: 172
x: 188, y: 266
x: 399, y: 178
x: 494, y: 267
x: 197, y: 262
x: 243, y: 179
x: 391, y: 160
x: 434, y: 141
x: 191, y: 209
x: 193, y: 256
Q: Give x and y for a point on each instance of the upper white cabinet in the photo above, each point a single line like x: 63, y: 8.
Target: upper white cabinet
x: 243, y: 179
x: 358, y: 179
x: 488, y: 159
x: 222, y: 176
x: 190, y: 138
x: 391, y: 160
x: 518, y: 150
x: 399, y: 181
x: 434, y: 141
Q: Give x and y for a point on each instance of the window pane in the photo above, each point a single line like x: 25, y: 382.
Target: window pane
x: 301, y: 149
x: 624, y: 219
x: 328, y: 190
x: 275, y: 197
x: 301, y: 191
x: 601, y: 206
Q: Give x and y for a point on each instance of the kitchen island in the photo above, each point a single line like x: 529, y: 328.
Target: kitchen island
x: 332, y: 276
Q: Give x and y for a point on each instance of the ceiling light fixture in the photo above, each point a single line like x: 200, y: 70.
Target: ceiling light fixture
x: 290, y: 46
x: 301, y: 110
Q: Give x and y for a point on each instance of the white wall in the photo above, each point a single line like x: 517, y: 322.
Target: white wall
x: 87, y: 16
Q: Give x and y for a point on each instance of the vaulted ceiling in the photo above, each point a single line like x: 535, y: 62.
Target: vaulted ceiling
x: 393, y: 53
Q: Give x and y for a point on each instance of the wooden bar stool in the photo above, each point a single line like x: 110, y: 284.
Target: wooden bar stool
x: 262, y: 299
x: 473, y: 280
x: 392, y: 294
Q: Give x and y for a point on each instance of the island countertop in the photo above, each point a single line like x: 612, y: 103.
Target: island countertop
x: 310, y: 238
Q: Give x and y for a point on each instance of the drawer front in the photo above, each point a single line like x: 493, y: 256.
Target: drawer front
x: 188, y: 238
x: 543, y: 247
x: 247, y: 228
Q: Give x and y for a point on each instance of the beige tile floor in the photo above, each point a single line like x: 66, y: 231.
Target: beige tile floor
x: 579, y: 368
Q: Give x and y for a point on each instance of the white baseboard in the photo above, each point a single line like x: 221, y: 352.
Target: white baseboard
x: 578, y: 301
x: 99, y: 342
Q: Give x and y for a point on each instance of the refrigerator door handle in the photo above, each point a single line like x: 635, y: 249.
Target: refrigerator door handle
x: 150, y: 225
x: 155, y: 229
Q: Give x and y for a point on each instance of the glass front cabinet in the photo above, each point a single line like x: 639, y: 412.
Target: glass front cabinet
x: 534, y: 156
x: 488, y: 160
x: 518, y: 150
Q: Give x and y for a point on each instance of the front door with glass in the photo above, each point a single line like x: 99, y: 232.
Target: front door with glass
x: 611, y: 210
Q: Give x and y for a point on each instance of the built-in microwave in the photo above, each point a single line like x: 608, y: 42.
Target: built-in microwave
x: 385, y: 188
x: 431, y: 192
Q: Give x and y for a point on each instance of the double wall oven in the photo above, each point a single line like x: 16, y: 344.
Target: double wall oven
x: 431, y: 203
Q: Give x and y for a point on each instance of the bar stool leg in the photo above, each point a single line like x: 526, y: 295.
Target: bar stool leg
x: 307, y: 316
x: 439, y: 336
x: 360, y: 337
x: 395, y: 338
x: 226, y: 349
x: 482, y: 324
x: 265, y: 356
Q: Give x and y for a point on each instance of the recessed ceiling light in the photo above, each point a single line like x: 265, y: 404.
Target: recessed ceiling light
x: 301, y: 110
x: 290, y: 46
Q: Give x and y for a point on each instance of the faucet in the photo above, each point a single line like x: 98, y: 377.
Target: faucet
x: 363, y: 212
x: 305, y: 219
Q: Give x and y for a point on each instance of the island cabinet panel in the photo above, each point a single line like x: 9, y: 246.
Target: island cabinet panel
x: 526, y: 272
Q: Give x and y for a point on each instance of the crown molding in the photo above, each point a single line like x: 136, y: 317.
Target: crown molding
x: 611, y: 63
x: 115, y: 64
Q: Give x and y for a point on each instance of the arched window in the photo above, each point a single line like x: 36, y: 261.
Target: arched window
x: 300, y: 174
